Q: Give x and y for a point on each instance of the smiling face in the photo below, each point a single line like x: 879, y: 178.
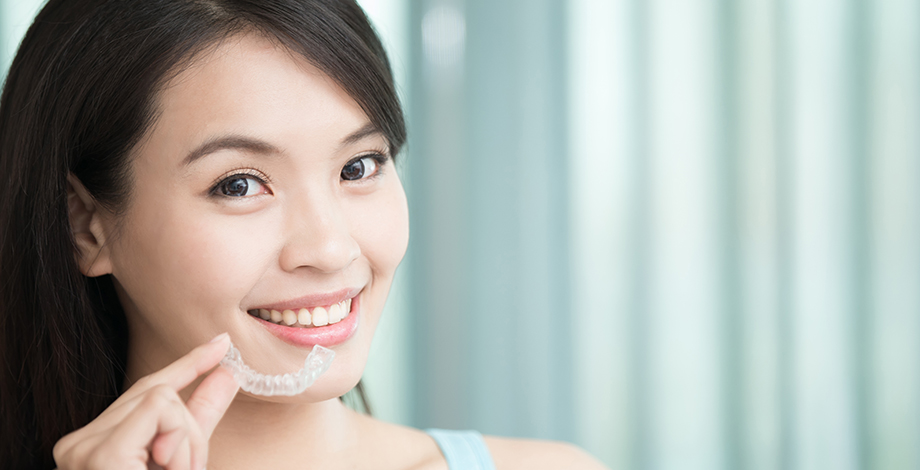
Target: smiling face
x: 261, y: 186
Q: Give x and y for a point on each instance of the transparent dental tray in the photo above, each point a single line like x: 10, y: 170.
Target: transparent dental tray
x: 317, y: 362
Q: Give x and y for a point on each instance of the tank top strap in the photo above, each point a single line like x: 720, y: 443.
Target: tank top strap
x: 463, y: 450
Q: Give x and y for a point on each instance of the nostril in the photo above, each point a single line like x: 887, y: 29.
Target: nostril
x: 329, y: 255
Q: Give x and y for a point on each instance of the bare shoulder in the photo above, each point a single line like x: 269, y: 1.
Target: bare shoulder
x: 513, y: 454
x: 391, y: 446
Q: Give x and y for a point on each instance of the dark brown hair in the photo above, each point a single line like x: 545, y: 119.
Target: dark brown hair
x: 79, y: 96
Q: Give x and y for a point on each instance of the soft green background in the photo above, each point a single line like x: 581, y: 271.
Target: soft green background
x: 684, y: 234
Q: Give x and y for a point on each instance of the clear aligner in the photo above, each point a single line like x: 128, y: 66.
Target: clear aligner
x: 317, y: 362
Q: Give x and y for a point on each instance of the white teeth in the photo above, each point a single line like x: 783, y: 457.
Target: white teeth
x: 335, y: 313
x: 320, y: 317
x: 304, y: 317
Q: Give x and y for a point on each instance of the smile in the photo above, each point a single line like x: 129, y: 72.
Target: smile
x: 304, y: 317
x: 324, y: 319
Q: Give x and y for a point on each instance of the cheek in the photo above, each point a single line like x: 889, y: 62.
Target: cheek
x: 183, y: 262
x: 382, y: 230
x: 221, y: 259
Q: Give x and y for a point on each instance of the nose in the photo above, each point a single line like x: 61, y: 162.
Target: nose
x: 318, y: 238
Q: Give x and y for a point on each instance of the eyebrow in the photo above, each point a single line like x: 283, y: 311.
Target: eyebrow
x: 230, y: 142
x: 261, y: 147
x: 367, y: 130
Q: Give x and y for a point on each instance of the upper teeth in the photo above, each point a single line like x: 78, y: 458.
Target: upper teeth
x: 319, y: 316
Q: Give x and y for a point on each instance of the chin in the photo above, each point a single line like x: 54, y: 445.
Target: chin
x: 261, y: 340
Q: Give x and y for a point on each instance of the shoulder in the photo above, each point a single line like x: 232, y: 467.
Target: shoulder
x: 513, y: 454
x: 391, y: 446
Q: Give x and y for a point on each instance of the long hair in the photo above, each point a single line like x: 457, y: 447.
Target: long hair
x: 81, y: 93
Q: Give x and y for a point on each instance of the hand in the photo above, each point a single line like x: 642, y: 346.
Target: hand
x: 150, y: 424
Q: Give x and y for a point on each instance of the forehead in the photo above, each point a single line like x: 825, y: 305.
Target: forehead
x: 249, y: 85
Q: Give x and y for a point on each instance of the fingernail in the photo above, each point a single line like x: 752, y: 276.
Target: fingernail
x: 219, y: 337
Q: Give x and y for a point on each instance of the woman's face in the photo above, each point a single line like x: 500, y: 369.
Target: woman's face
x: 261, y: 185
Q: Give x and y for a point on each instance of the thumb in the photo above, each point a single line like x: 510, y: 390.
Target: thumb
x: 211, y: 399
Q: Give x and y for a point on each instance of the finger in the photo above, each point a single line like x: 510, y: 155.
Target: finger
x: 160, y: 412
x: 181, y: 459
x: 114, y: 414
x: 177, y: 375
x: 211, y: 399
x: 166, y: 445
x: 76, y: 451
x: 187, y: 368
x: 98, y: 457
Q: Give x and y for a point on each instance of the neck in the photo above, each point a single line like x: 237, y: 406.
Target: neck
x: 260, y: 434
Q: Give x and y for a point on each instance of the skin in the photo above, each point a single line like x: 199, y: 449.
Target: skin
x: 189, y: 262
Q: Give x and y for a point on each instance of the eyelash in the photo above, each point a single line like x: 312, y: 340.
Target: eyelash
x: 380, y: 157
x: 238, y: 173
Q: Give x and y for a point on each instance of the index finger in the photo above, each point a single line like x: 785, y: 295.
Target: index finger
x: 189, y: 367
x: 211, y: 399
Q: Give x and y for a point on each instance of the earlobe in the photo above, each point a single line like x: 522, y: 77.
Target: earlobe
x: 88, y: 228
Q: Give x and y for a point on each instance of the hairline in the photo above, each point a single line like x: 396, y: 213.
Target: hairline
x: 196, y: 56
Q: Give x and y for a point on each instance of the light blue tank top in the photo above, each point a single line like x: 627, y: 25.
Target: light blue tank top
x: 463, y: 450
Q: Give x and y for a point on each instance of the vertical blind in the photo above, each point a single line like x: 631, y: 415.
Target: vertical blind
x: 684, y: 234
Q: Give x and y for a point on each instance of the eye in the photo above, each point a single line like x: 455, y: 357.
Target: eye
x: 363, y: 167
x: 240, y: 186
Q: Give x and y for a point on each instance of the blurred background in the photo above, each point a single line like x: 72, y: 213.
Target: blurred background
x: 683, y: 234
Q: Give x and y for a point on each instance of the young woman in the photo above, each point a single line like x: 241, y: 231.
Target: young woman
x: 181, y: 173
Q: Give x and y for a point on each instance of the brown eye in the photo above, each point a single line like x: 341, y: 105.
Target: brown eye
x: 239, y: 186
x: 360, y: 168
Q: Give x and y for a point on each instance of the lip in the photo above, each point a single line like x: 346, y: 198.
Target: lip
x: 312, y: 301
x: 326, y: 336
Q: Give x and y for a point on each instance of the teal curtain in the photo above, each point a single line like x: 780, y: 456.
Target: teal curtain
x: 15, y: 18
x: 489, y: 204
x: 681, y: 234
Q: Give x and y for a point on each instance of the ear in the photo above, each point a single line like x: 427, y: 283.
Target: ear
x: 89, y: 229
